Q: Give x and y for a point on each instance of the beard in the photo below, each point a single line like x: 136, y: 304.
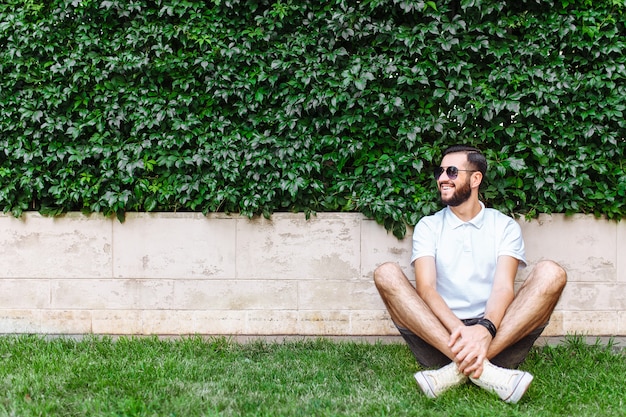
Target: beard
x: 461, y: 195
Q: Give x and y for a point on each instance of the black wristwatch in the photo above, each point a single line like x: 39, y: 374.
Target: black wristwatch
x: 488, y: 324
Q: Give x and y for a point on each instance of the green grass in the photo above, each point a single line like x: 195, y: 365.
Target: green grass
x: 199, y: 377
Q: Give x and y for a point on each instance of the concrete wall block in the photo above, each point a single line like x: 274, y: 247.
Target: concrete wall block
x: 71, y: 246
x: 219, y: 322
x: 117, y: 322
x: 338, y: 295
x: 555, y: 327
x: 24, y: 293
x: 235, y: 295
x: 583, y: 245
x: 168, y: 245
x: 168, y: 322
x: 271, y: 322
x: 372, y: 322
x: 22, y: 321
x: 621, y: 248
x: 605, y: 323
x: 111, y: 294
x: 290, y: 247
x: 323, y: 322
x: 379, y: 246
x: 65, y: 321
x: 579, y: 296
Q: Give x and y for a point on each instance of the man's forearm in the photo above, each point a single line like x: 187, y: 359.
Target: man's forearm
x: 497, y: 304
x: 440, y: 309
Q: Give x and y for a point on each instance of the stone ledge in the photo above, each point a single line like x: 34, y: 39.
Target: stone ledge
x: 185, y: 273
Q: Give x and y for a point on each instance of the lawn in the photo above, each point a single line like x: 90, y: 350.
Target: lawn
x: 196, y: 376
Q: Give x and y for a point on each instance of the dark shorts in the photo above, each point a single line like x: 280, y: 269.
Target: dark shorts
x: 429, y: 357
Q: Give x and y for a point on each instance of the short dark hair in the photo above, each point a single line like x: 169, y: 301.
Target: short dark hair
x: 475, y: 157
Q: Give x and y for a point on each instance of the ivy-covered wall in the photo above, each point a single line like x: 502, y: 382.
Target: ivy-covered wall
x: 263, y: 106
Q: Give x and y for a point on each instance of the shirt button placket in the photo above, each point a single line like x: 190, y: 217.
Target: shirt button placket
x: 467, y: 238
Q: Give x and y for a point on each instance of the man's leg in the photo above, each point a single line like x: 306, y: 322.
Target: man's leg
x: 408, y: 310
x: 426, y: 336
x: 425, y: 354
x: 532, y: 307
x: 522, y: 323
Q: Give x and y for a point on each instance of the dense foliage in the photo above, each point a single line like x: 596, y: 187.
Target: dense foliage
x: 261, y: 106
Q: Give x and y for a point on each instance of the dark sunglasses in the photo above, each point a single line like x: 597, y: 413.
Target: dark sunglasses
x: 452, y: 172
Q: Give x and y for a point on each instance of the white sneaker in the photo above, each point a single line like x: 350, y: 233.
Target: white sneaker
x: 433, y: 383
x: 509, y: 384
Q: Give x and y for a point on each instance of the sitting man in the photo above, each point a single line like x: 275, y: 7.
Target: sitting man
x: 463, y: 315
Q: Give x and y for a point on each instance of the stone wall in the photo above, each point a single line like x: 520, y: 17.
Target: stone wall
x: 184, y: 273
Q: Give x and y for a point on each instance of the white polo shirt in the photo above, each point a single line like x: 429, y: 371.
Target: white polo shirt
x: 466, y: 254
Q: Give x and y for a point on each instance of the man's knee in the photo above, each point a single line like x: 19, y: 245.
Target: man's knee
x: 552, y: 274
x: 386, y: 274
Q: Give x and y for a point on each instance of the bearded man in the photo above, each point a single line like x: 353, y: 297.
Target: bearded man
x: 463, y: 319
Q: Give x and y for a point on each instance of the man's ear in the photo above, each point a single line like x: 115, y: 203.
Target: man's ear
x: 476, y: 179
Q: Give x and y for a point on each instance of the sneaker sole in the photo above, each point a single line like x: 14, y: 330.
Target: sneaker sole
x: 520, y: 388
x: 424, y: 385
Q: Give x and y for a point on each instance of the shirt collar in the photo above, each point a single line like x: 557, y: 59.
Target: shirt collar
x: 477, y: 221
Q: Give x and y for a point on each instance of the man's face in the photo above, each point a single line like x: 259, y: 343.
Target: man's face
x: 454, y: 192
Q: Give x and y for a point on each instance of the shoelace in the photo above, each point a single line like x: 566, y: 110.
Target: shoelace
x: 500, y: 381
x: 450, y: 375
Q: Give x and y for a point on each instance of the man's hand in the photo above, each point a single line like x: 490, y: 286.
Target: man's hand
x: 470, y: 344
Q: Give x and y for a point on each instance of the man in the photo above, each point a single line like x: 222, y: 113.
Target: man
x: 463, y: 315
